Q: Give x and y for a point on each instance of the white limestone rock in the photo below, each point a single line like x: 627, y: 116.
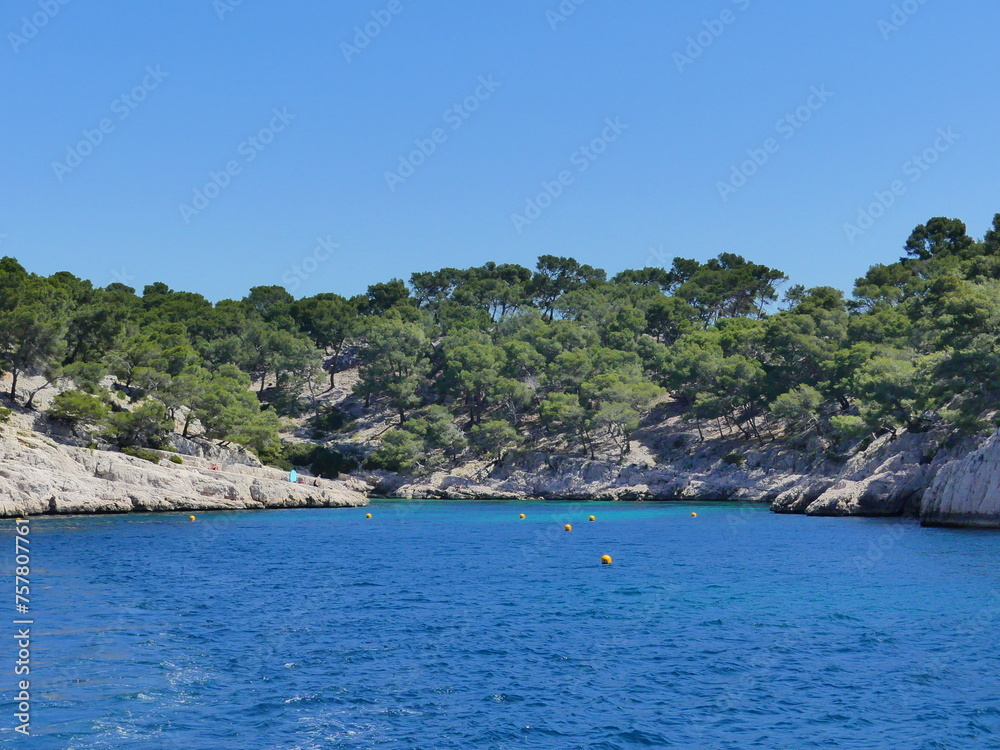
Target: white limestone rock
x: 966, y: 491
x: 39, y: 476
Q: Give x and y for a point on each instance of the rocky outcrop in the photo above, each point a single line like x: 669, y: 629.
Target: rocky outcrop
x: 233, y: 454
x: 886, y: 479
x: 890, y: 477
x: 39, y: 476
x: 966, y: 491
x: 913, y: 474
x: 764, y: 476
x: 558, y: 477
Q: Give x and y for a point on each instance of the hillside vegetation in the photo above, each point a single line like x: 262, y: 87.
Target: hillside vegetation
x: 476, y: 362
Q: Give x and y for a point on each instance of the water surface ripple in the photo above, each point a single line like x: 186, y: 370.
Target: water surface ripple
x: 456, y: 625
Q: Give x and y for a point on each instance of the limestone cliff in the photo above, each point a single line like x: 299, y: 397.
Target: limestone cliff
x: 930, y: 474
x: 966, y: 491
x: 890, y: 477
x: 38, y: 475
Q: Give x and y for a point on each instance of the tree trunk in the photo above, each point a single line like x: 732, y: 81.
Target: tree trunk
x: 333, y: 368
x: 626, y: 444
x: 29, y: 404
x: 74, y: 354
x: 13, y: 385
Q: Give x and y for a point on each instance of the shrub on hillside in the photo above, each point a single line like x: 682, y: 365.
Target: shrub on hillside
x: 492, y: 439
x: 145, y: 426
x: 849, y: 426
x: 332, y: 420
x: 145, y: 455
x: 321, y: 461
x: 86, y: 376
x: 400, y: 451
x: 78, y: 408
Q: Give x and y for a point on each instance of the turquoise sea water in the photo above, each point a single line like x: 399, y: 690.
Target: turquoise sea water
x: 457, y: 625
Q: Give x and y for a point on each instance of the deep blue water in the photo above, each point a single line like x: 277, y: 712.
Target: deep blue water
x: 456, y: 625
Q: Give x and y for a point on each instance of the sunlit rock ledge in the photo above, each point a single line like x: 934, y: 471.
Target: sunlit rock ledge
x: 40, y: 476
x: 966, y: 492
x: 913, y: 475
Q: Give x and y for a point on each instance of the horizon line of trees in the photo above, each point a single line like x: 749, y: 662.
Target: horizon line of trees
x: 482, y: 359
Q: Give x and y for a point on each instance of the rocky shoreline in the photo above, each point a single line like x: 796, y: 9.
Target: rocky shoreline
x: 39, y: 476
x: 928, y: 475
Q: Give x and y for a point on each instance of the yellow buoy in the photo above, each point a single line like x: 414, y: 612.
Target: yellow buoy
x: 191, y: 517
x: 592, y: 518
x: 694, y: 515
x: 568, y: 527
x: 521, y: 516
x: 605, y: 559
x: 368, y: 515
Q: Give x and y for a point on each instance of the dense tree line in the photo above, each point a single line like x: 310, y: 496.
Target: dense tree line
x: 485, y: 359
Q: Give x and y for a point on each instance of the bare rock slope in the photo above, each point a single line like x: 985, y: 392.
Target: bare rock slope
x: 966, y: 491
x: 38, y: 475
x: 885, y: 479
x: 913, y: 475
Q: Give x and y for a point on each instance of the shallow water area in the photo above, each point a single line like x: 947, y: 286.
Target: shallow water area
x: 444, y: 624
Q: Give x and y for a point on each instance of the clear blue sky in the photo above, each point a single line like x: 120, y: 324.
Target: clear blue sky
x: 117, y: 214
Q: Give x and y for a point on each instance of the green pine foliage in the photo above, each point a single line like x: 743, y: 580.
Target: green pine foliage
x: 78, y: 408
x: 141, y: 453
x: 476, y: 362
